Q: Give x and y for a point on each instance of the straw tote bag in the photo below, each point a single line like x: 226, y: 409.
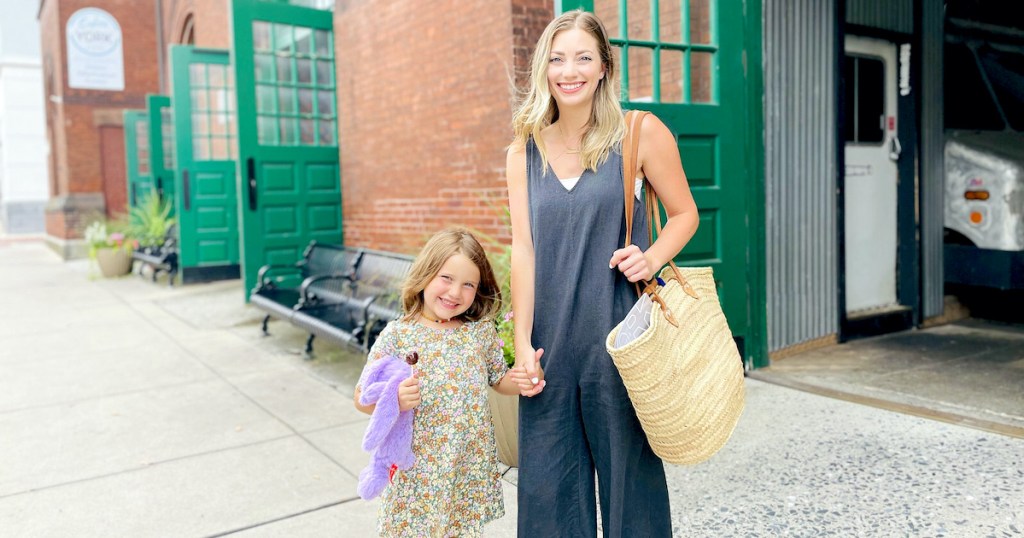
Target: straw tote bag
x: 674, y: 350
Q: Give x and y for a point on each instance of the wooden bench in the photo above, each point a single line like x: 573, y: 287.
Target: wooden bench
x: 344, y: 295
x: 163, y: 257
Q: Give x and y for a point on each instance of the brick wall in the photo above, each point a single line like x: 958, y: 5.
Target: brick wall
x: 425, y: 95
x: 87, y: 164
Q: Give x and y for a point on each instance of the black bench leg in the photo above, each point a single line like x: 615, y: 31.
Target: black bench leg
x: 309, y: 345
x: 265, y: 320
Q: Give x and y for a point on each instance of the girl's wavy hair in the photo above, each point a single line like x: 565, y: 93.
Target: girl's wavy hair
x: 538, y: 109
x: 439, y: 248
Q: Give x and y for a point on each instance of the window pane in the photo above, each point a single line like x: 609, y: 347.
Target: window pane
x: 219, y: 124
x: 200, y: 125
x: 200, y: 149
x: 220, y: 149
x: 670, y: 23
x: 608, y: 12
x: 261, y: 35
x: 850, y: 97
x: 639, y: 15
x: 216, y: 73
x: 327, y: 133
x: 870, y: 100
x: 286, y: 101
x: 700, y: 21
x: 324, y: 70
x: 284, y: 69
x: 672, y: 76
x: 324, y: 48
x: 199, y: 101
x: 264, y: 68
x: 307, y: 133
x: 267, y: 130
x: 197, y: 75
x: 265, y: 99
x: 283, y: 38
x: 325, y: 103
x: 303, y: 41
x: 702, y: 77
x: 305, y: 101
x: 289, y: 131
x: 304, y: 69
x: 641, y: 81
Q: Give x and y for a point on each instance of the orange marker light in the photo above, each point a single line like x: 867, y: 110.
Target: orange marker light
x: 976, y: 217
x: 976, y: 195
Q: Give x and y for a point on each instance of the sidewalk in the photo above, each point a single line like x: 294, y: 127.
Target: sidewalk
x: 131, y: 409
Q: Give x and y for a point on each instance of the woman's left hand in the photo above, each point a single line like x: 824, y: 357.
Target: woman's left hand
x: 633, y: 263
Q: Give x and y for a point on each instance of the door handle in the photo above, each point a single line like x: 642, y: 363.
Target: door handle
x: 250, y: 166
x: 186, y: 190
x: 135, y: 190
x: 160, y: 188
x: 895, y: 149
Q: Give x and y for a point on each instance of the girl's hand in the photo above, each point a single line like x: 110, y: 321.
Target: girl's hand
x: 409, y: 392
x: 528, y: 375
x: 633, y: 263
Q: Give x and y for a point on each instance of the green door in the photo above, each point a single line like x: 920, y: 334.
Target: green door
x: 205, y: 153
x: 290, y: 188
x: 683, y: 61
x: 137, y: 151
x: 161, y: 144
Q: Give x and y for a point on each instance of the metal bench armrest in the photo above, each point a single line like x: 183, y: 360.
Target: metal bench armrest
x: 304, y: 295
x: 262, y: 277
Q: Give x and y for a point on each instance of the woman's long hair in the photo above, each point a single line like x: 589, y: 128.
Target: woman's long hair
x: 538, y: 108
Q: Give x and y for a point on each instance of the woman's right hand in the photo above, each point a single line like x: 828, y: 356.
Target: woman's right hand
x: 409, y: 392
x: 527, y: 374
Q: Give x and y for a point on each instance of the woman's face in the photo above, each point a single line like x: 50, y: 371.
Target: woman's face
x: 452, y: 290
x: 574, y: 68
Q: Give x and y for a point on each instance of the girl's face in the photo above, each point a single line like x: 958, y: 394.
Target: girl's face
x: 574, y: 68
x: 452, y: 290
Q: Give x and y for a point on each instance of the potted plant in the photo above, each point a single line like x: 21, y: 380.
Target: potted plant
x: 150, y: 221
x: 504, y: 408
x: 111, y: 249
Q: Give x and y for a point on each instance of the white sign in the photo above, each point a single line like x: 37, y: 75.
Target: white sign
x: 95, y: 52
x: 905, y: 69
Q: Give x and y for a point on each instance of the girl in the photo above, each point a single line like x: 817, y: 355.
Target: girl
x: 449, y: 301
x: 572, y: 282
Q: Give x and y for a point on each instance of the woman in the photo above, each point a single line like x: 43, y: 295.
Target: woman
x: 572, y: 283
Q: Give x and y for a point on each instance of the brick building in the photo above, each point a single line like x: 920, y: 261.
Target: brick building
x: 84, y: 106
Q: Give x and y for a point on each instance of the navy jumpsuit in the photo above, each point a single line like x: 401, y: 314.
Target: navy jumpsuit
x: 583, y: 420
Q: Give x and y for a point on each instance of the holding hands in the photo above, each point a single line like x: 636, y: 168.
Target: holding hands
x: 527, y: 373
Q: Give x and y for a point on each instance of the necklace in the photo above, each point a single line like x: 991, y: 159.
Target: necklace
x: 565, y: 142
x: 437, y: 321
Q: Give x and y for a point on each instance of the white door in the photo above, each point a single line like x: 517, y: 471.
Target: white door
x: 871, y: 152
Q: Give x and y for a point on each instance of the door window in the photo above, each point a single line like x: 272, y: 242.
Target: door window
x: 295, y: 101
x: 865, y: 100
x: 142, y: 146
x: 212, y: 90
x: 667, y: 49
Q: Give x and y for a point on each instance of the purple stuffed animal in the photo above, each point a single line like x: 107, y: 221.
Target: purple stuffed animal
x: 388, y: 437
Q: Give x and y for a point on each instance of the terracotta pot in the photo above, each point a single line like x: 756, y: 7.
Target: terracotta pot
x: 114, y: 261
x: 505, y: 411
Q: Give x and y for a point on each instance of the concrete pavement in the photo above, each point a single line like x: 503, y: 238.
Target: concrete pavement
x: 131, y: 409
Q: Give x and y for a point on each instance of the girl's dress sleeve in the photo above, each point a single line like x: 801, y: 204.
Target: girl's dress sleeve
x: 494, y: 356
x: 386, y: 344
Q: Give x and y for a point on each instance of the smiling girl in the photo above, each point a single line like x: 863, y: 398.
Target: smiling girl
x: 449, y: 301
x: 572, y: 282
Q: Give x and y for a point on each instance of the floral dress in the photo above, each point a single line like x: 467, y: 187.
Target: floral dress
x: 453, y: 488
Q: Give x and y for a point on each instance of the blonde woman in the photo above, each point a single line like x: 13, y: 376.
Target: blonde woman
x: 572, y: 282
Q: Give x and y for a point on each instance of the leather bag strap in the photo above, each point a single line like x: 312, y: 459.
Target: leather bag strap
x: 630, y: 150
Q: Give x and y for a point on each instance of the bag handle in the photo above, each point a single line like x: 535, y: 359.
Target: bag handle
x: 630, y: 151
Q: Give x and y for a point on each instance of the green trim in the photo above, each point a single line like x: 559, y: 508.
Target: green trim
x: 757, y: 341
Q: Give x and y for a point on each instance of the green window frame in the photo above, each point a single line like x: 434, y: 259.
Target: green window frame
x: 295, y: 87
x: 668, y: 56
